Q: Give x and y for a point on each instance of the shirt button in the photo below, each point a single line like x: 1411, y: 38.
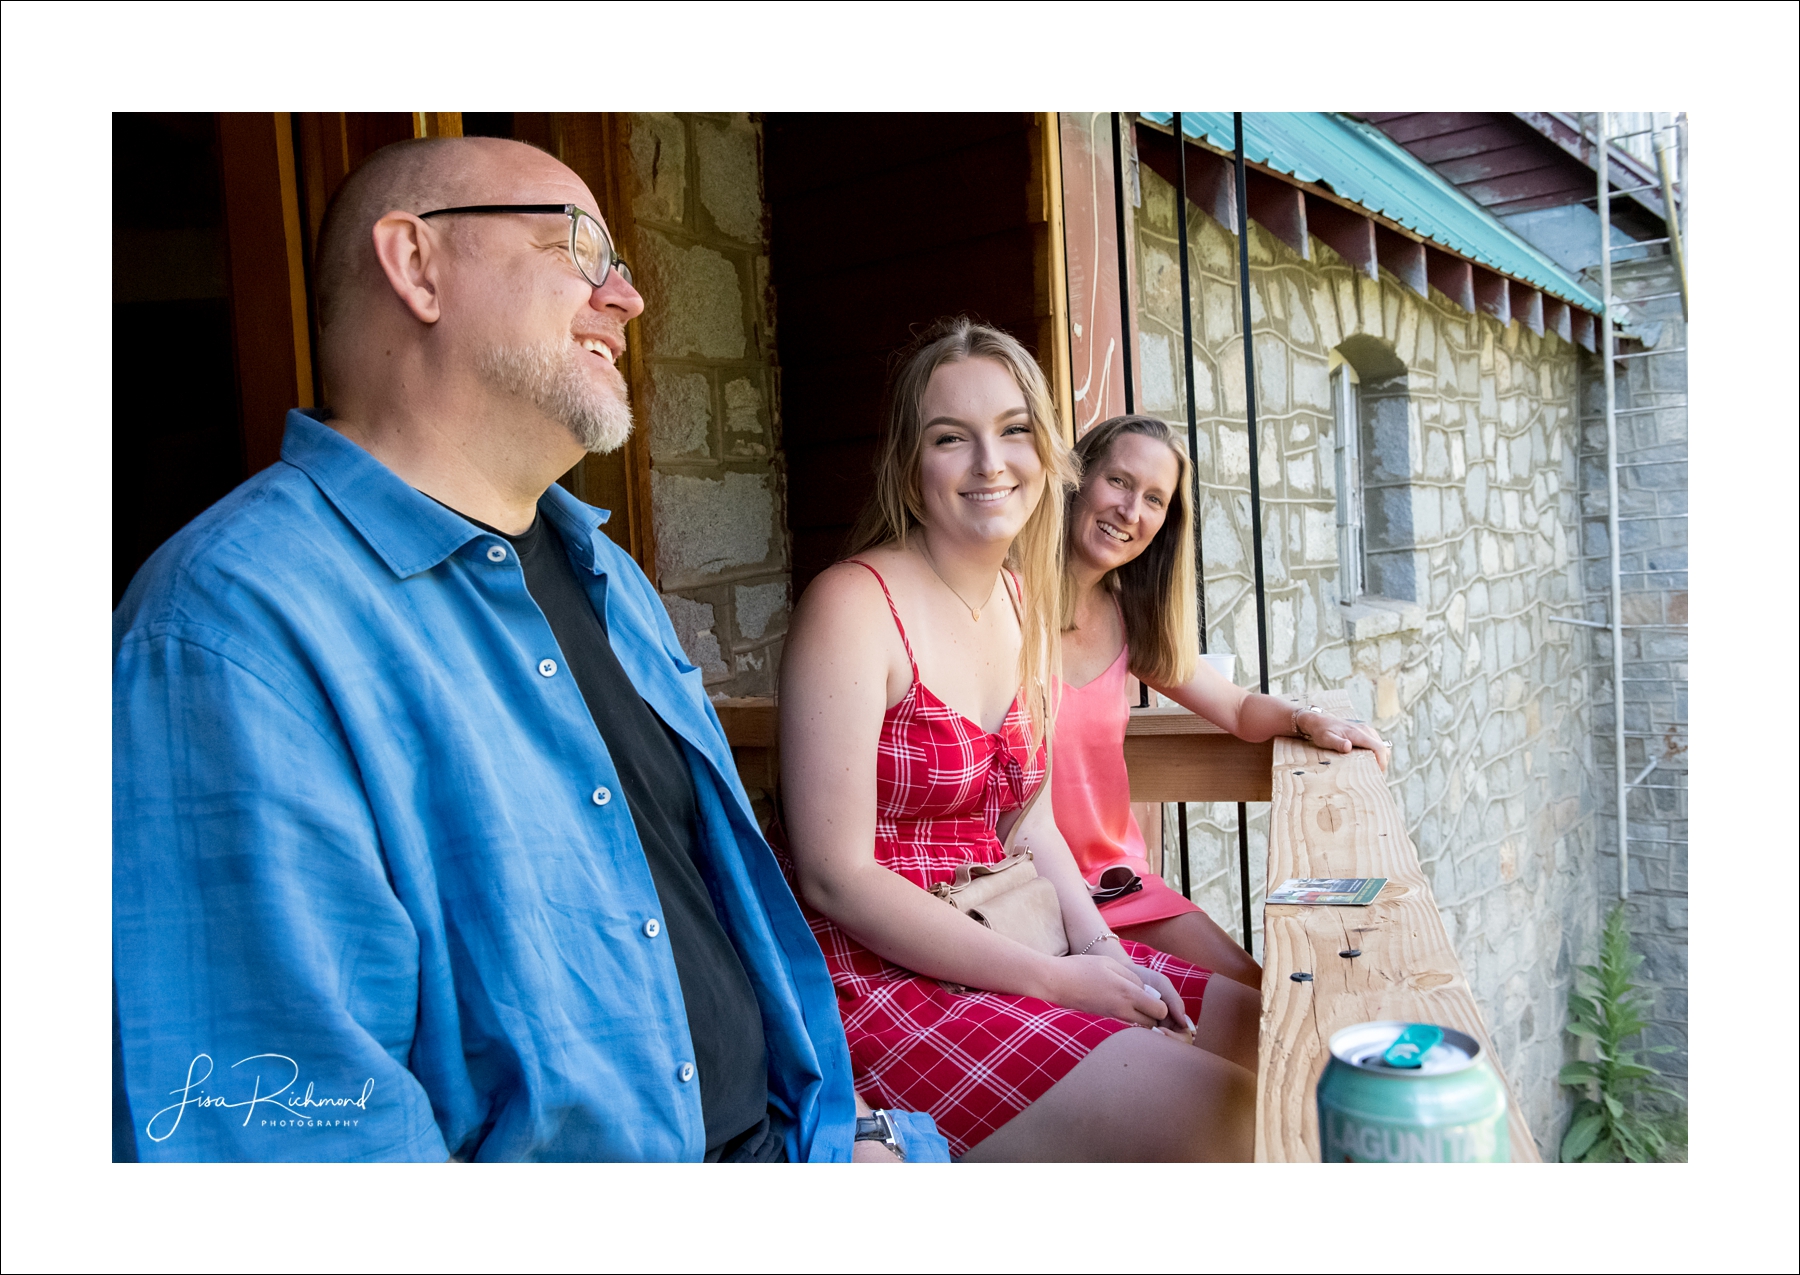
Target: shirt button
x: 685, y: 1072
x: 602, y: 796
x: 496, y: 553
x: 652, y: 928
x: 547, y: 667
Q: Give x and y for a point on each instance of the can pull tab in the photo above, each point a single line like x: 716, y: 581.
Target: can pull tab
x: 1411, y: 1046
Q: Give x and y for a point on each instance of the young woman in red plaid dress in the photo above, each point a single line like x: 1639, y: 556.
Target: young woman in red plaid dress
x: 914, y: 701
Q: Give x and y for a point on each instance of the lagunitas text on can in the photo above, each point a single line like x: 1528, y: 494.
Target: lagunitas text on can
x: 1400, y: 1093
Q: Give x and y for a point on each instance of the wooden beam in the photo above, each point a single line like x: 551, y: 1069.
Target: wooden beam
x: 1527, y: 305
x: 1583, y: 324
x: 1404, y: 258
x: 1211, y: 182
x: 263, y: 231
x: 1280, y: 209
x: 437, y: 123
x: 1492, y: 295
x: 1334, y: 816
x: 1173, y: 755
x: 1346, y: 233
x: 1451, y: 275
x: 1556, y: 318
x: 1050, y: 265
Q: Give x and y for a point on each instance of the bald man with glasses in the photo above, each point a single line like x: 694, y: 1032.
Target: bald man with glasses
x: 427, y: 841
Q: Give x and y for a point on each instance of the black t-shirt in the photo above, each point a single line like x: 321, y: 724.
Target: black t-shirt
x: 723, y: 1018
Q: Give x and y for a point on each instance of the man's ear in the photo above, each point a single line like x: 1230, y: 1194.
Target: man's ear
x: 410, y: 255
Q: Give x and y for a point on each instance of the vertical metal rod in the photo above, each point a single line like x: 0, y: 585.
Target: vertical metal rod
x: 1181, y: 819
x: 1604, y: 130
x: 1256, y: 533
x: 1187, y: 364
x: 1671, y: 218
x: 1244, y: 872
x: 1124, y: 262
x: 1125, y: 316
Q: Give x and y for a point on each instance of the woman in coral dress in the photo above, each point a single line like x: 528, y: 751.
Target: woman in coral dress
x: 916, y: 692
x: 1129, y: 599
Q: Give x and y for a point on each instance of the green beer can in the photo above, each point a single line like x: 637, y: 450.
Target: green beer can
x: 1407, y: 1093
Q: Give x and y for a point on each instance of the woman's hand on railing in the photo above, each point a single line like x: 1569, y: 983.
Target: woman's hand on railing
x: 1322, y: 730
x: 1102, y: 985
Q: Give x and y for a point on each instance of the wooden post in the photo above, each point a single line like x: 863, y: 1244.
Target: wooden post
x: 437, y: 124
x: 1050, y: 273
x: 263, y: 229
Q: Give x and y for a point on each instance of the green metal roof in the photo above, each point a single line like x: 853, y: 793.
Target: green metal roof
x: 1362, y: 164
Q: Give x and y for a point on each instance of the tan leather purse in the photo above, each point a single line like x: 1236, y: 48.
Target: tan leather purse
x: 1008, y: 896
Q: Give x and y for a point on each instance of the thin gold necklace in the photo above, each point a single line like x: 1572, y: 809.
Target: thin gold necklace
x: 974, y: 612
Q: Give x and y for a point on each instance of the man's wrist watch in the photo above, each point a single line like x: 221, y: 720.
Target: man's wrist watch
x: 878, y: 1126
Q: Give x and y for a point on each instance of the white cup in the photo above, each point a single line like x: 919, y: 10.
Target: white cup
x: 1224, y: 665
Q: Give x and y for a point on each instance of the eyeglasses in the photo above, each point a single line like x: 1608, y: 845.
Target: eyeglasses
x: 589, y: 244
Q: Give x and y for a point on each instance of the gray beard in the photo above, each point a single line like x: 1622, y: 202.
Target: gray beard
x: 552, y: 378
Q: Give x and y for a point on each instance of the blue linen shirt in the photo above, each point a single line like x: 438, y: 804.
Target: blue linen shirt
x: 376, y: 891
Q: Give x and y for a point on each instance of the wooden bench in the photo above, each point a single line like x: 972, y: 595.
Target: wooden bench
x: 1331, y: 816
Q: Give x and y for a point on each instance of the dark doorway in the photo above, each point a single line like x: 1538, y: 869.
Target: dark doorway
x: 879, y: 225
x: 176, y: 440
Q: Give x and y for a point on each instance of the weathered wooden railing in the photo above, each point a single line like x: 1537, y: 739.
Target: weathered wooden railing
x: 1331, y: 816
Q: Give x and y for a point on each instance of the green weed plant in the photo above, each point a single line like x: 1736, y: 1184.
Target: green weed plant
x: 1626, y: 1113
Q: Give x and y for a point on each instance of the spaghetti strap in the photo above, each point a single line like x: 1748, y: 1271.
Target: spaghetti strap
x: 893, y: 612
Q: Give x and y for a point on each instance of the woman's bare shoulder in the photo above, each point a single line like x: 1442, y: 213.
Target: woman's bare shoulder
x: 845, y: 602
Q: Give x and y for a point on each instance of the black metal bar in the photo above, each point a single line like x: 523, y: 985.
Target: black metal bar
x: 1187, y: 364
x: 1244, y: 869
x: 1124, y: 295
x: 1256, y: 532
x: 1181, y: 818
x: 1124, y: 262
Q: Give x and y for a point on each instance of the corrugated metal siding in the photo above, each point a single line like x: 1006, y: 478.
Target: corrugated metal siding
x: 1360, y: 163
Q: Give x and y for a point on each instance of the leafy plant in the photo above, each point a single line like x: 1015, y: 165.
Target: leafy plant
x: 1626, y: 1113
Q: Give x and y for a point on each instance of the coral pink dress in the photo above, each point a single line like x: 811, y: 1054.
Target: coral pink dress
x: 974, y: 1060
x: 1092, y: 796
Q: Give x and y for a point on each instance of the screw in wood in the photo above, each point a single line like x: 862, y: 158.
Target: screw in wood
x: 1351, y: 951
x: 1301, y: 978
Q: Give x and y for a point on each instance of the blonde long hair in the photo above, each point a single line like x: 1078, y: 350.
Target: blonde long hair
x: 897, y: 505
x: 1156, y: 588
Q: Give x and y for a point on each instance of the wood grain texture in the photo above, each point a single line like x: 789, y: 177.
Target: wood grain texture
x: 1333, y: 816
x: 1174, y: 755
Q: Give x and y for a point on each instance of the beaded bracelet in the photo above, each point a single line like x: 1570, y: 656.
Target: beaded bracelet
x: 1098, y: 938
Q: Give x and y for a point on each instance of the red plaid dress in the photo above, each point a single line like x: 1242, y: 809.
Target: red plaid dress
x: 974, y: 1060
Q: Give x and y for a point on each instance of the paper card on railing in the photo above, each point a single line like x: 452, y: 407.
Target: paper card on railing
x: 1353, y: 892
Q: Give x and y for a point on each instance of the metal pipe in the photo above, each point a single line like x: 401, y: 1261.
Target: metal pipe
x: 1124, y: 262
x: 1612, y: 496
x: 1244, y: 872
x: 1125, y: 303
x: 1193, y: 435
x: 1256, y: 533
x: 1187, y: 363
x: 1671, y: 218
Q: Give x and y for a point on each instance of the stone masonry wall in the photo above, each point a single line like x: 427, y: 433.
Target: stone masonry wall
x: 1653, y: 599
x: 1487, y: 704
x: 710, y: 398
